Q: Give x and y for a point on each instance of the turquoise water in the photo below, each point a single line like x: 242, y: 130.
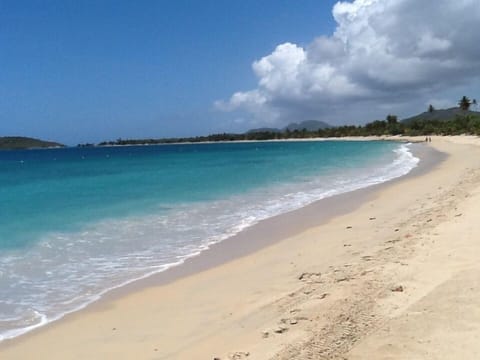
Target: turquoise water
x: 75, y: 223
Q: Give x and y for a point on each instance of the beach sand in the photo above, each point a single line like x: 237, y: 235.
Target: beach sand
x: 394, y: 274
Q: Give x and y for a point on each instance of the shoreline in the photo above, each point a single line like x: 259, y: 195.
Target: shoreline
x: 274, y: 229
x: 256, y: 237
x: 398, y: 138
x: 265, y: 232
x: 357, y: 201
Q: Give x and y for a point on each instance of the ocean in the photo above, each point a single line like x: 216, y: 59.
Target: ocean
x: 78, y: 222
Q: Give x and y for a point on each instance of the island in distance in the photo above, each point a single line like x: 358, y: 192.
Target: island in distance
x: 20, y: 142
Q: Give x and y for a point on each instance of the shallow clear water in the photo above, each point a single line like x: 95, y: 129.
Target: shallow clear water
x: 75, y: 223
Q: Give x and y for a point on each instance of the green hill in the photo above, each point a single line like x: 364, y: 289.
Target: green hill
x: 19, y: 142
x: 441, y: 115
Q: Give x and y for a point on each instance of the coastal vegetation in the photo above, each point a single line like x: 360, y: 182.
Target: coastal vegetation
x: 19, y: 142
x: 454, y: 121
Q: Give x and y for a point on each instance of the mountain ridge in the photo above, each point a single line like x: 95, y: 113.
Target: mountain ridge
x: 309, y: 125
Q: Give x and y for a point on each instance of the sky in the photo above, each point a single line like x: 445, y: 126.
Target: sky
x: 87, y: 71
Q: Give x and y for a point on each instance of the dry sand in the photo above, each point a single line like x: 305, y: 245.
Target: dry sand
x: 398, y: 277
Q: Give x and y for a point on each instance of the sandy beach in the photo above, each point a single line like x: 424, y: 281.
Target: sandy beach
x: 390, y: 272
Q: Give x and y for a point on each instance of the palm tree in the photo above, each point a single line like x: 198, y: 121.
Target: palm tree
x: 464, y: 103
x: 392, y: 119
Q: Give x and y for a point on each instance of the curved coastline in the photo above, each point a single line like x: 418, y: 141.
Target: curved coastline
x: 258, y: 236
x: 277, y: 228
x: 404, y: 160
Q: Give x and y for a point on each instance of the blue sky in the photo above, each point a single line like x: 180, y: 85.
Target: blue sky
x: 93, y: 70
x: 86, y: 71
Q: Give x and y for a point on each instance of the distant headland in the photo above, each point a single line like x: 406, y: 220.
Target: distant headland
x: 453, y: 121
x: 20, y: 142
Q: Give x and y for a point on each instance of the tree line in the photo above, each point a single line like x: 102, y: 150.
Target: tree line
x: 462, y: 123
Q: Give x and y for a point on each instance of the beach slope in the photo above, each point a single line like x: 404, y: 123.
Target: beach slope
x: 393, y: 275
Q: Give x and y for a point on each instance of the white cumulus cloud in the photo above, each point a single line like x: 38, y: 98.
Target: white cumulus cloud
x: 382, y: 52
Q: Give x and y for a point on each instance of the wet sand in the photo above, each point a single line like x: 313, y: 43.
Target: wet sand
x: 348, y: 276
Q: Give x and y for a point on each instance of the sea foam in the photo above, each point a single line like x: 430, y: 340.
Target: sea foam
x: 64, y: 271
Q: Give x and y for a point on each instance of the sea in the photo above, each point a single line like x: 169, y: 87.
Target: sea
x: 78, y: 222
